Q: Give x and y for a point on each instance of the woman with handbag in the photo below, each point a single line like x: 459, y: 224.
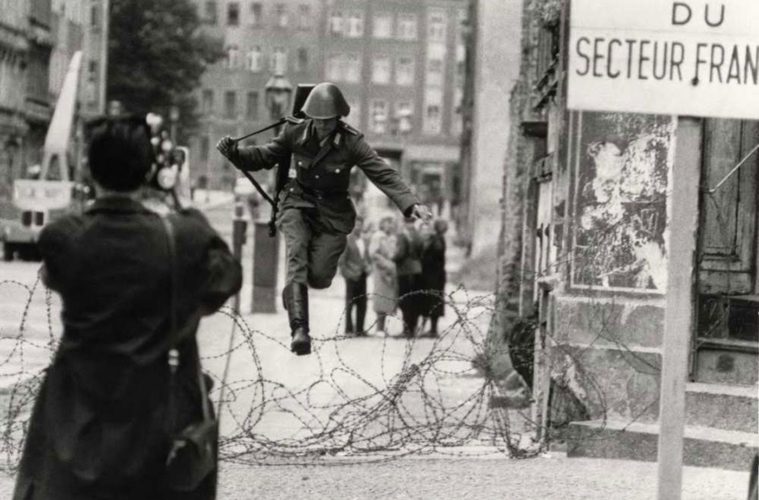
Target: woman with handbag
x: 123, y: 410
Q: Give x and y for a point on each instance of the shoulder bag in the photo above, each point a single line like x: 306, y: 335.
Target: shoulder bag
x: 192, y: 455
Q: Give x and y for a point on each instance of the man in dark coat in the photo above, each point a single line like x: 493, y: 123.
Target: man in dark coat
x: 433, y: 275
x: 408, y: 261
x: 315, y: 209
x: 101, y: 424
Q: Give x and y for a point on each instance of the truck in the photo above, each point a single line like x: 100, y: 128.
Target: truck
x: 57, y: 186
x: 43, y: 192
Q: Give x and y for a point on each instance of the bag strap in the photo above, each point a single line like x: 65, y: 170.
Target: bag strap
x: 174, y: 352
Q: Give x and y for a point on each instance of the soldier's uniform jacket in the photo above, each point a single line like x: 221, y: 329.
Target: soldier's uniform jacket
x: 320, y: 172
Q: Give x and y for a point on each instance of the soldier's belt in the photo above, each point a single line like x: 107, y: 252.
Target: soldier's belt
x: 322, y: 194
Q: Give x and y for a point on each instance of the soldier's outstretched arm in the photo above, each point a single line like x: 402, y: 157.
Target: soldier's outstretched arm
x: 385, y: 177
x: 256, y: 157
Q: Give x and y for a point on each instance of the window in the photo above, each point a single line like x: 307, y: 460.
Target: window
x: 436, y: 27
x: 378, y: 117
x: 407, y: 26
x: 336, y: 25
x: 403, y: 113
x: 233, y: 14
x: 334, y: 70
x: 233, y: 57
x: 457, y: 123
x: 434, y: 75
x: 404, y: 71
x: 460, y: 75
x: 403, y: 108
x: 382, y: 26
x: 304, y: 17
x: 460, y: 52
x: 432, y: 120
x: 301, y: 63
x: 280, y: 15
x: 381, y: 70
x: 256, y: 14
x: 253, y: 60
x: 352, y: 68
x: 230, y: 104
x: 210, y: 13
x: 95, y: 16
x: 207, y: 102
x: 278, y: 62
x: 462, y: 18
x: 205, y: 147
x: 354, y: 118
x: 433, y: 101
x: 355, y: 27
x: 252, y: 109
x: 92, y: 71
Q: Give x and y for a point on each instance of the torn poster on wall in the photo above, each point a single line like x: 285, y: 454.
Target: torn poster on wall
x: 622, y: 163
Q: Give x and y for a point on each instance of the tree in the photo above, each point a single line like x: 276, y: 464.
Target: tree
x: 157, y: 54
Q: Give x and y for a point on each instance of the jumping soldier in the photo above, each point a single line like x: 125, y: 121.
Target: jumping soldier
x: 315, y: 211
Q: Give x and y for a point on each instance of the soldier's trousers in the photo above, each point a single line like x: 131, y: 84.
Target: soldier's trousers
x: 312, y: 250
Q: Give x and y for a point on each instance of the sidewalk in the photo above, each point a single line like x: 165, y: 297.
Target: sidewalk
x: 555, y: 478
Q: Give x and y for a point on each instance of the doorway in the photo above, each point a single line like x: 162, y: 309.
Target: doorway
x: 726, y: 342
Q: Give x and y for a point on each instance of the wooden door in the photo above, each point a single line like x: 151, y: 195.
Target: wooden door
x: 727, y: 337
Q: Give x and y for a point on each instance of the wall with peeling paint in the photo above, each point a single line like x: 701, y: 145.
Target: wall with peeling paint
x: 611, y: 304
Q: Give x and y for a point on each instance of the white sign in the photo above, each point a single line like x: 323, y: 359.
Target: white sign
x: 691, y: 57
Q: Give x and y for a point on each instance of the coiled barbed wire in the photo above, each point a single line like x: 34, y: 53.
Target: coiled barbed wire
x: 433, y: 397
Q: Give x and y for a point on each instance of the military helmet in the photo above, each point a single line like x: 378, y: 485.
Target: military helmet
x: 326, y: 101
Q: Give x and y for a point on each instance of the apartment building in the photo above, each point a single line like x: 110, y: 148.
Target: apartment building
x: 261, y: 38
x: 14, y: 50
x: 37, y: 40
x: 400, y: 64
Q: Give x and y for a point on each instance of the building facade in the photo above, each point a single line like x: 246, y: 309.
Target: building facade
x: 399, y: 63
x: 261, y: 38
x: 14, y: 51
x: 615, y: 242
x: 95, y: 64
x: 37, y: 40
x: 493, y: 53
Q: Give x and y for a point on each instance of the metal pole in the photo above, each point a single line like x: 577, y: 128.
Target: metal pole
x: 239, y: 228
x: 208, y: 164
x: 102, y: 83
x: 678, y: 315
x: 265, y: 269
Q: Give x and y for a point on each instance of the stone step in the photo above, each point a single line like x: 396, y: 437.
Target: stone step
x: 732, y: 362
x: 727, y: 407
x: 703, y: 447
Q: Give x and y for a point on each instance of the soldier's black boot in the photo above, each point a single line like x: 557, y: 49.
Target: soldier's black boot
x: 296, y: 303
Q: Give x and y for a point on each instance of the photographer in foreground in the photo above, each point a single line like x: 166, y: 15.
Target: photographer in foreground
x: 126, y: 377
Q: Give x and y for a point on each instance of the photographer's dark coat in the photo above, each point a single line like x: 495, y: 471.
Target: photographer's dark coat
x: 100, y: 424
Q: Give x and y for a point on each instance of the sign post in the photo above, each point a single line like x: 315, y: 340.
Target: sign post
x: 687, y: 58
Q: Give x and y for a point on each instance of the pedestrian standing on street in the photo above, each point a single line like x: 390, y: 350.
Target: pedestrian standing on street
x: 382, y: 248
x: 408, y: 259
x: 315, y: 210
x: 433, y: 275
x: 113, y: 397
x: 355, y: 267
